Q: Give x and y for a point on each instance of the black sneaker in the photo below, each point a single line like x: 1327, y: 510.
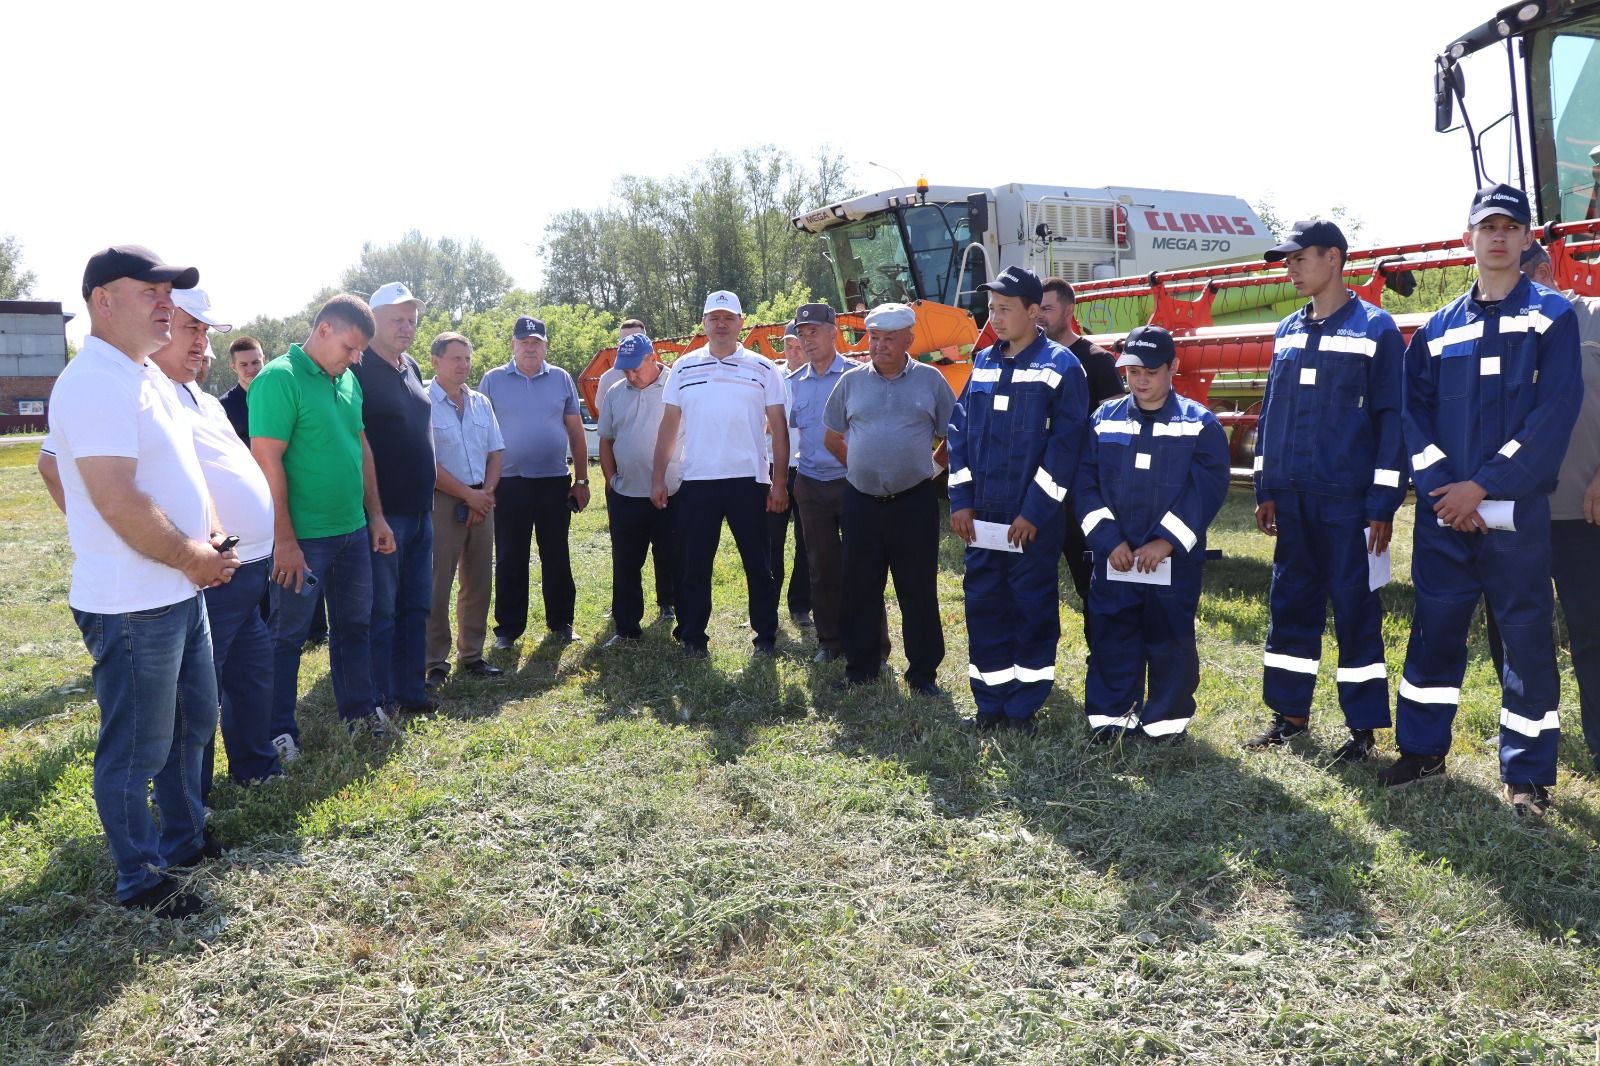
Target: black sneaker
x: 766, y: 648
x: 1408, y: 769
x: 1280, y: 732
x: 1359, y: 748
x: 1107, y: 735
x: 1528, y: 800
x: 984, y: 723
x: 166, y: 899
x: 930, y: 689
x: 1025, y: 726
x: 436, y: 677
x: 210, y: 848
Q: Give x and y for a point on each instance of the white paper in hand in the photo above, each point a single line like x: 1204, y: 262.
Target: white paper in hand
x: 992, y: 535
x: 1378, y: 570
x: 1161, y: 576
x: 1496, y: 514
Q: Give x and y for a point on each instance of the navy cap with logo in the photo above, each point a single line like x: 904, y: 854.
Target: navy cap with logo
x: 526, y: 327
x: 1016, y: 281
x: 1313, y: 233
x: 633, y: 350
x: 137, y: 262
x: 1149, y: 347
x: 1500, y: 199
x: 822, y: 314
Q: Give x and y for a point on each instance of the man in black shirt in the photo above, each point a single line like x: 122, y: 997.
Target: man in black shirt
x: 1100, y: 367
x: 399, y: 424
x: 244, y: 355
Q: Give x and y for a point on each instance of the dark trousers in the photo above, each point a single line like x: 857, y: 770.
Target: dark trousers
x: 529, y: 508
x: 896, y: 536
x: 777, y: 536
x: 702, y: 507
x: 821, y: 513
x: 1574, y: 547
x: 241, y: 654
x: 664, y: 561
x: 637, y: 526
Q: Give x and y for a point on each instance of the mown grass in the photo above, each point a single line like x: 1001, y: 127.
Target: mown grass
x: 626, y: 857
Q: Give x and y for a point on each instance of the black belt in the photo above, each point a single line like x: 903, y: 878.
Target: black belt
x: 895, y: 495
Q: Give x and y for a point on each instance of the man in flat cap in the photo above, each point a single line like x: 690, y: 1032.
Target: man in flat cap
x: 145, y: 544
x: 881, y: 422
x: 1015, y: 436
x: 536, y: 404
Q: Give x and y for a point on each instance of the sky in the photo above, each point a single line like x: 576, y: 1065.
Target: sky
x: 266, y: 143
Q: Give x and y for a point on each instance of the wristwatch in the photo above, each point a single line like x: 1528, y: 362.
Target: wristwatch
x: 581, y: 481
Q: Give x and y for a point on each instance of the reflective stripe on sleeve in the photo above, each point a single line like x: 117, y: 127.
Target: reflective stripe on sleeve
x: 1176, y: 527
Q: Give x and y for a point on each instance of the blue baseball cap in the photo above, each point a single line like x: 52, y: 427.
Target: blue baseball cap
x: 1016, y: 281
x: 632, y: 351
x: 1315, y: 233
x: 1500, y: 199
x: 1149, y: 347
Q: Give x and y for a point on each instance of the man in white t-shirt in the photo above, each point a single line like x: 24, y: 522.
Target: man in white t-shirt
x: 144, y: 544
x: 241, y: 648
x: 724, y: 400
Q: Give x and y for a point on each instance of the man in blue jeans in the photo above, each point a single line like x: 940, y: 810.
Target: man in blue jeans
x: 306, y: 432
x: 144, y: 542
x: 397, y: 413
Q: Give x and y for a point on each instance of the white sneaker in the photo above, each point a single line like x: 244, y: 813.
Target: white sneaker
x: 377, y: 725
x: 288, y: 750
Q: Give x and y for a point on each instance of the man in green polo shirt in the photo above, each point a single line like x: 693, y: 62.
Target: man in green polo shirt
x: 306, y: 432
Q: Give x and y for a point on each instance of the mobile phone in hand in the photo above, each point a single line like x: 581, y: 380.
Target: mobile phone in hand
x: 227, y: 544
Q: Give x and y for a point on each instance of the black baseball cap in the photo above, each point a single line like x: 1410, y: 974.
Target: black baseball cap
x: 1313, y: 233
x: 528, y: 326
x: 137, y: 262
x: 821, y: 314
x: 1149, y: 347
x: 1016, y: 281
x: 1500, y: 199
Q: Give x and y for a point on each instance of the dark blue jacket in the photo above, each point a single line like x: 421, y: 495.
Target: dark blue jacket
x: 1164, y: 476
x: 1016, y: 432
x: 1492, y: 393
x: 1330, y: 421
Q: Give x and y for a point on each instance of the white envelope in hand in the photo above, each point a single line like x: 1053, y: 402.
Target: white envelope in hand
x: 1161, y: 576
x: 992, y: 535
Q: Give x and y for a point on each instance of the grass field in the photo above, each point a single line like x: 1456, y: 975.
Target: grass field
x: 627, y: 857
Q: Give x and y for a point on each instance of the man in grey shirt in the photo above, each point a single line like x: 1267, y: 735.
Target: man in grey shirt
x: 1575, y: 513
x: 880, y: 422
x: 536, y: 405
x: 630, y: 422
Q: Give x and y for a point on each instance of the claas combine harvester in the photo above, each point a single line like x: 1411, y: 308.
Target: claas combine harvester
x: 1191, y: 261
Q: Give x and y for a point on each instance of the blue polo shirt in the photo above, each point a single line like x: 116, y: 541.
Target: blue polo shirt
x: 532, y: 412
x: 808, y: 399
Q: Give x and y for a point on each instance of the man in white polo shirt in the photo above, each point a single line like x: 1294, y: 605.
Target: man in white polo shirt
x: 724, y: 399
x: 144, y: 544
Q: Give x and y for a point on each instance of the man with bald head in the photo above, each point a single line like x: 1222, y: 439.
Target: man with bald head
x: 881, y: 421
x: 144, y: 543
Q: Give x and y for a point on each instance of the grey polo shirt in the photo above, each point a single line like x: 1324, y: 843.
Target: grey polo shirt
x: 532, y: 413
x: 1583, y: 450
x: 889, y: 425
x: 631, y: 419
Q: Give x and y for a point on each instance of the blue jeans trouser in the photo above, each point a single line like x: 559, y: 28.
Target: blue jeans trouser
x: 157, y: 691
x: 343, y: 565
x: 402, y: 593
x: 241, y: 651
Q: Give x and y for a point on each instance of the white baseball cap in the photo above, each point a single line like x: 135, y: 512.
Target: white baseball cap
x: 198, y: 306
x: 723, y: 300
x: 393, y: 293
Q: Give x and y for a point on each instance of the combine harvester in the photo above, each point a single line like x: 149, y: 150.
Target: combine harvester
x: 1190, y: 261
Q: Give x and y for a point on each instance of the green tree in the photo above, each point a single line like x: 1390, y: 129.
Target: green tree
x: 446, y: 274
x: 15, y: 283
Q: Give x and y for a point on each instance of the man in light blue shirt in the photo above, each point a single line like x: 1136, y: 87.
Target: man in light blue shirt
x: 468, y: 447
x: 819, y: 482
